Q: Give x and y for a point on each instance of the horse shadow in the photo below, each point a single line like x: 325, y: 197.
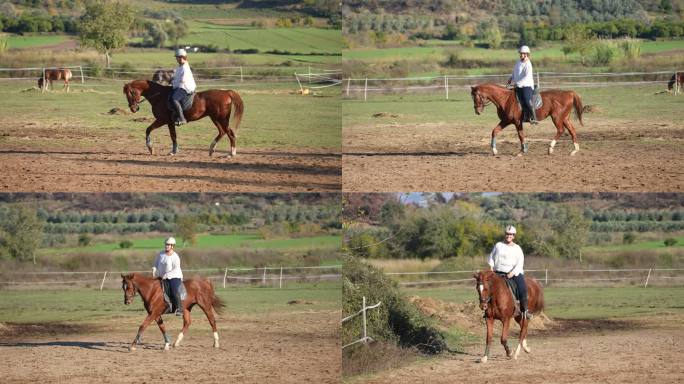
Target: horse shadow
x: 96, y: 345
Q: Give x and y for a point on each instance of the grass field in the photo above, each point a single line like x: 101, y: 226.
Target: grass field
x: 88, y: 305
x: 585, y: 303
x: 216, y: 241
x: 18, y: 42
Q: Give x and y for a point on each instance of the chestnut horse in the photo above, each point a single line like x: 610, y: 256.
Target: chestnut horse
x: 55, y: 74
x: 199, y: 292
x: 678, y: 77
x: 556, y: 103
x: 214, y: 103
x: 498, y: 303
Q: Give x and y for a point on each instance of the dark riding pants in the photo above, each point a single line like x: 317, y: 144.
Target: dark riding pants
x: 524, y: 94
x: 175, y: 292
x: 522, y: 291
x: 178, y: 95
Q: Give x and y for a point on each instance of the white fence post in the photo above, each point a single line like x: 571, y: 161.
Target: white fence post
x: 348, y: 83
x: 362, y: 312
x: 648, y: 277
x: 241, y: 79
x: 365, y: 90
x: 280, y: 285
x: 446, y: 86
x: 546, y: 277
x: 225, y: 275
x: 301, y: 89
x: 103, y: 280
x: 365, y: 334
x: 80, y: 68
x: 263, y: 280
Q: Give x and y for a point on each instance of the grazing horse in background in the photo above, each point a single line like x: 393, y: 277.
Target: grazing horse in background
x: 678, y: 77
x: 163, y: 76
x: 55, y: 74
x: 498, y: 303
x: 214, y: 103
x: 556, y: 103
x: 199, y: 292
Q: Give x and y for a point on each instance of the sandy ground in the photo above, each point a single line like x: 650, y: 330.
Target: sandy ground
x: 634, y: 350
x: 133, y: 170
x: 301, y: 346
x: 390, y: 156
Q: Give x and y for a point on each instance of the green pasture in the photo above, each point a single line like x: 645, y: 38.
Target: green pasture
x: 300, y: 40
x: 18, y: 42
x: 91, y: 305
x: 640, y: 246
x: 208, y: 241
x: 215, y: 9
x: 617, y: 103
x: 436, y: 51
x: 275, y: 116
x: 584, y: 303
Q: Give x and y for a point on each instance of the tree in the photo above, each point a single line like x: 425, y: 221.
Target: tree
x: 176, y: 30
x: 103, y: 26
x: 186, y: 228
x: 21, y: 232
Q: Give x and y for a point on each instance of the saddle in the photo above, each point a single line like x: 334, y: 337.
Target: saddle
x: 186, y: 103
x: 166, y: 289
x: 513, y: 288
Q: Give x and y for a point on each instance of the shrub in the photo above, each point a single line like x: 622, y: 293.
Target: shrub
x: 670, y: 242
x: 628, y: 238
x: 604, y: 52
x: 84, y: 240
x: 125, y: 244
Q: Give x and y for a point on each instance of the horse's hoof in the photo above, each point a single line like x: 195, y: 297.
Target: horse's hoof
x: 151, y: 150
x: 494, y: 152
x: 573, y: 153
x: 166, y: 347
x: 483, y: 359
x: 131, y: 348
x: 550, y: 151
x: 521, y: 154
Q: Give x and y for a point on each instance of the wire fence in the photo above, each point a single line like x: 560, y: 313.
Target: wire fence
x: 361, y: 88
x: 278, y: 276
x: 644, y: 277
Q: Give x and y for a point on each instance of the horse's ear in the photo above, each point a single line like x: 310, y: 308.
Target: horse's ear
x: 472, y: 88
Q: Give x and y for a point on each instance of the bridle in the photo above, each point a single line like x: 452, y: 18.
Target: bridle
x: 129, y: 298
x: 481, y: 101
x: 137, y: 99
x: 480, y: 289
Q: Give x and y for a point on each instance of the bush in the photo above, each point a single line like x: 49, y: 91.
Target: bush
x: 604, y: 52
x: 125, y: 244
x: 84, y: 240
x: 670, y: 242
x: 628, y: 238
x: 395, y: 320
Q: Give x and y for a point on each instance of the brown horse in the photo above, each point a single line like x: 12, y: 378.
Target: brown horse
x: 199, y: 292
x: 163, y: 76
x: 497, y: 302
x: 214, y: 103
x: 678, y: 77
x: 55, y: 74
x: 556, y: 103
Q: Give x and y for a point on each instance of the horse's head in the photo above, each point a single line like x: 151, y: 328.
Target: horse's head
x: 483, y: 286
x: 128, y: 287
x: 479, y: 100
x: 133, y: 96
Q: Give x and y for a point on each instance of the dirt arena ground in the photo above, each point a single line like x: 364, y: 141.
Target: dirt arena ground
x: 301, y: 346
x: 634, y: 350
x: 390, y: 156
x: 130, y: 169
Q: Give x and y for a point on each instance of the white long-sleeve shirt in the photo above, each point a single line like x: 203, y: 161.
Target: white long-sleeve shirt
x: 507, y: 258
x: 168, y: 267
x: 183, y: 78
x: 522, y: 74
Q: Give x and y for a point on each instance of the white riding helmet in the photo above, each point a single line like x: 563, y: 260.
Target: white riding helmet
x: 524, y: 49
x: 181, y: 52
x: 170, y: 240
x: 511, y: 229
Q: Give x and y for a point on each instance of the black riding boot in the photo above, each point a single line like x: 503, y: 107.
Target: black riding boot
x: 180, y: 118
x: 179, y: 305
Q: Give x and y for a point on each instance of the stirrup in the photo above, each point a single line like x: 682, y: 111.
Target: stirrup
x: 179, y: 312
x: 528, y: 315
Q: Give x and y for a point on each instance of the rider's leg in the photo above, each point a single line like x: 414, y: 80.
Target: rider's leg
x: 529, y: 93
x: 178, y: 95
x: 522, y: 292
x: 175, y: 288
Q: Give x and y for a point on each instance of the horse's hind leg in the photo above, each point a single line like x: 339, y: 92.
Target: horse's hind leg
x: 162, y: 328
x: 186, y: 324
x: 521, y: 137
x: 573, y: 133
x: 218, y: 137
x: 172, y: 133
x: 559, y: 132
x: 522, y: 340
x: 209, y: 311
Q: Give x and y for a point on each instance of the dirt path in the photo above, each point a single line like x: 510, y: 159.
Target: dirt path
x: 601, y: 351
x: 443, y: 157
x: 297, y: 347
x: 128, y: 170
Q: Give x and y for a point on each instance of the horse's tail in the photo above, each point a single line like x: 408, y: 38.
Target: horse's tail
x: 239, y: 109
x: 216, y: 301
x: 577, y: 102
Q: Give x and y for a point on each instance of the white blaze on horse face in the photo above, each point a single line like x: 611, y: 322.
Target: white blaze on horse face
x: 480, y: 288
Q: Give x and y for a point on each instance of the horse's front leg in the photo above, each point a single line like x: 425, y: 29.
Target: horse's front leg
x: 186, y: 324
x: 521, y: 137
x: 138, y: 337
x: 495, y: 132
x: 172, y: 133
x: 148, y: 140
x: 490, y: 331
x: 504, y: 336
x: 162, y: 328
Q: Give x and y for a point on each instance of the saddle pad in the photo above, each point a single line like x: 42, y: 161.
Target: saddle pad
x: 537, y: 100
